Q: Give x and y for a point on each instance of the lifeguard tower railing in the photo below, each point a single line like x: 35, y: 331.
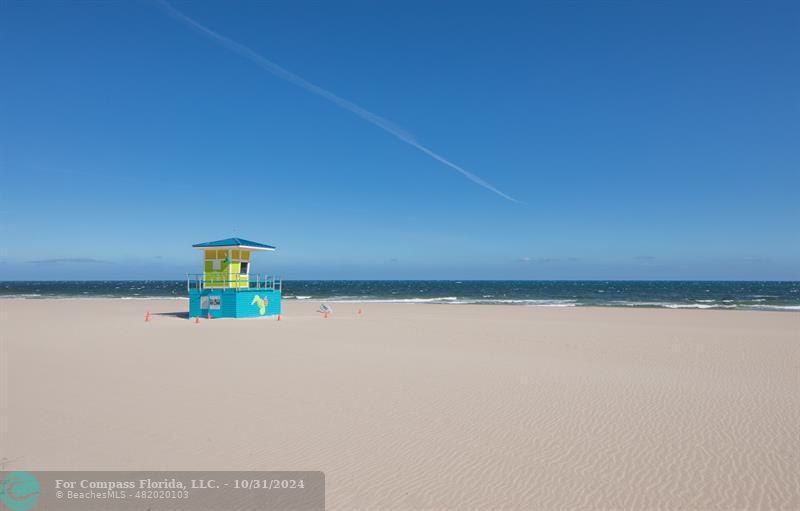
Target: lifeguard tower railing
x: 198, y: 281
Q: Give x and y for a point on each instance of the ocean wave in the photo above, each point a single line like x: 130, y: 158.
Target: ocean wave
x: 623, y: 303
x: 669, y: 305
x: 775, y: 307
x: 456, y: 300
x: 753, y: 296
x: 148, y: 297
x: 554, y: 305
x: 86, y: 296
x: 352, y: 299
x: 692, y: 306
x: 728, y: 305
x: 527, y: 302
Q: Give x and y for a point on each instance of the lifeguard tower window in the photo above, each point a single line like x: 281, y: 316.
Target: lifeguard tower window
x: 243, y: 269
x: 217, y: 265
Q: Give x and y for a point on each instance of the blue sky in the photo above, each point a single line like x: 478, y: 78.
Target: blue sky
x: 642, y: 140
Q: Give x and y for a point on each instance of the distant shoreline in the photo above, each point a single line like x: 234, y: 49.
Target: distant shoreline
x: 434, y: 302
x: 703, y: 295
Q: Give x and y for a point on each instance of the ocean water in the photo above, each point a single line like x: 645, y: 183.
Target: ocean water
x: 784, y: 296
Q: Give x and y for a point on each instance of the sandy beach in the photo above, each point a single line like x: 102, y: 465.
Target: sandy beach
x: 418, y: 406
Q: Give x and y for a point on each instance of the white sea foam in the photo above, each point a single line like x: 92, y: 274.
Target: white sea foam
x: 776, y: 307
x: 519, y: 301
x: 145, y: 297
x: 635, y: 304
x: 531, y: 302
x: 85, y: 296
x: 456, y: 300
x: 348, y: 299
x: 687, y: 306
x: 553, y: 305
x: 671, y: 305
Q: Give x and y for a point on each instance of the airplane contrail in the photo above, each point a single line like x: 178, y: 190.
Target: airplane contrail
x: 301, y: 82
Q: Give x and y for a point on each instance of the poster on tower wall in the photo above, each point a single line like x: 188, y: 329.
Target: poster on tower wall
x: 213, y: 302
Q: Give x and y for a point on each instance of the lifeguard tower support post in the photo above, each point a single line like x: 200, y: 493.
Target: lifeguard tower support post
x: 226, y: 288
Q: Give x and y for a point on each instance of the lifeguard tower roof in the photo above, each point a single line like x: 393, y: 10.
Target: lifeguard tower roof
x: 234, y: 242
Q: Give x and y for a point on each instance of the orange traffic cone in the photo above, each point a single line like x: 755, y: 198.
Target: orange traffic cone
x: 147, y: 317
x: 209, y: 316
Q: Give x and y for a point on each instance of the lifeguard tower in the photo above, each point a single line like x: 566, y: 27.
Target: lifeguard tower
x: 226, y: 288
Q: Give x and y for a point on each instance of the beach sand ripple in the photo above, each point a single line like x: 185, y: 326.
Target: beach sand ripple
x: 419, y: 406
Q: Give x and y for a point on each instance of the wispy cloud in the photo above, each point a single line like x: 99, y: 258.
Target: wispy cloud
x: 301, y: 82
x: 544, y: 260
x: 70, y: 260
x: 537, y: 260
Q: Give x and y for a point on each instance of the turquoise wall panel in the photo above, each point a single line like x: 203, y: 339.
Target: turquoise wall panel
x: 194, y: 303
x: 235, y: 303
x: 249, y: 303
